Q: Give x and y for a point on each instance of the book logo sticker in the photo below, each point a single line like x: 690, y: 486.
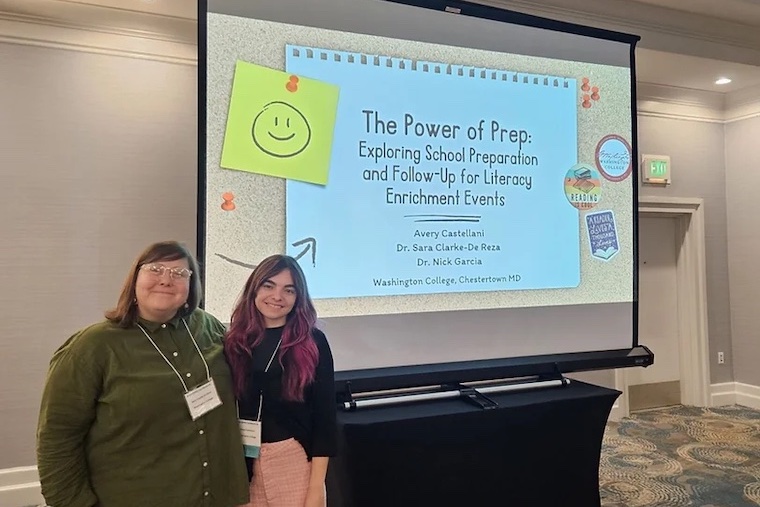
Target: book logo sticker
x: 583, y: 186
x: 602, y: 235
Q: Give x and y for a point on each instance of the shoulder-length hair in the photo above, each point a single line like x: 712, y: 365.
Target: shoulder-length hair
x: 298, y: 352
x: 125, y: 313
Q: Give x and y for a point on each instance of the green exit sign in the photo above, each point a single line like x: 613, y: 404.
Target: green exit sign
x: 656, y: 170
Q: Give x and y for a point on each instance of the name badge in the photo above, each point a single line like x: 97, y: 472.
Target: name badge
x: 251, y: 433
x: 203, y: 399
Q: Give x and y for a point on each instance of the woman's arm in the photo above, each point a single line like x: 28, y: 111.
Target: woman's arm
x: 66, y: 414
x: 324, y: 414
x: 324, y: 404
x: 315, y: 495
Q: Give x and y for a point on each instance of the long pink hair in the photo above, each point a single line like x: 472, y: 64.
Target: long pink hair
x: 298, y: 354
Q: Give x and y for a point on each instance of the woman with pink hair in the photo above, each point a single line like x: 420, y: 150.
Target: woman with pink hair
x: 283, y: 375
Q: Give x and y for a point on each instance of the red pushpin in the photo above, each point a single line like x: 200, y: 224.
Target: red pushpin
x: 292, y: 85
x: 586, y: 102
x: 595, y: 93
x: 585, y: 86
x: 228, y: 205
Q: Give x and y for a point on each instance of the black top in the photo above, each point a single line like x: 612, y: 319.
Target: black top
x: 311, y: 422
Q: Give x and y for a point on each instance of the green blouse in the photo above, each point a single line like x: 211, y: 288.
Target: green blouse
x: 115, y: 431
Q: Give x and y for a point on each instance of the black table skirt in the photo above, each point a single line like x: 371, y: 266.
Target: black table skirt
x: 538, y: 448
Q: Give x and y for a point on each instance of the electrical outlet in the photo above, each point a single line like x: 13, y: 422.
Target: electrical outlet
x: 721, y: 358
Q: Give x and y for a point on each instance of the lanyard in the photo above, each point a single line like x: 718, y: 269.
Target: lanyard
x: 261, y: 393
x: 208, y: 374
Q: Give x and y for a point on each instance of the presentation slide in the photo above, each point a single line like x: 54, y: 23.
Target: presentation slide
x: 411, y: 176
x: 432, y: 189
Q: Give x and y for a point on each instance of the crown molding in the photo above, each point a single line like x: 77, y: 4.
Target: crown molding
x: 183, y: 9
x: 662, y: 101
x: 743, y: 104
x: 79, y: 35
x: 84, y: 26
x: 103, y: 18
x: 686, y: 97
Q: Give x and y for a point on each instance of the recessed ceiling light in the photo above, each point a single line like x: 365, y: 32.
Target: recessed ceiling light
x: 722, y: 81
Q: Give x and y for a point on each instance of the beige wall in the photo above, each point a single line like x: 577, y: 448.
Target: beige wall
x: 697, y: 153
x: 743, y: 197
x: 98, y: 157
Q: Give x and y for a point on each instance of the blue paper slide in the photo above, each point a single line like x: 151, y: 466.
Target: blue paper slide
x: 443, y: 178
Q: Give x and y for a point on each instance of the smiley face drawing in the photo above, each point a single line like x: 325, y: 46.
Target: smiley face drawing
x: 281, y: 130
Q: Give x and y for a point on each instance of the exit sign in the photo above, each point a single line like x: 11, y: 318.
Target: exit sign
x: 658, y: 168
x: 655, y: 169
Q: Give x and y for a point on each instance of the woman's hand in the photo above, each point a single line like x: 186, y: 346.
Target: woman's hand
x: 315, y: 496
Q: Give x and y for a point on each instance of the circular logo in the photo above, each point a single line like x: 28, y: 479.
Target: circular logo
x: 583, y: 186
x: 613, y: 157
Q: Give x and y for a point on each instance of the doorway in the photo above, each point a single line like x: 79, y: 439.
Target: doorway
x: 660, y: 384
x: 691, y: 311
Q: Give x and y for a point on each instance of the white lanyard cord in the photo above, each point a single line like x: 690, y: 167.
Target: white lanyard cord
x: 205, y: 364
x: 261, y: 394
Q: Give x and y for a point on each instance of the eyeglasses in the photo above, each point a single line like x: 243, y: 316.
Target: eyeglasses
x: 158, y: 271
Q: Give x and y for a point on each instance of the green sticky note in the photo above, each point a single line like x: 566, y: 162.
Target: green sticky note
x: 280, y: 124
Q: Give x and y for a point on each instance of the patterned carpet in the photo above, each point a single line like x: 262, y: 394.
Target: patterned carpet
x: 682, y: 456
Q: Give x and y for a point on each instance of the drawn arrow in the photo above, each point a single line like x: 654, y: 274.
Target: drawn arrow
x: 310, y: 243
x: 237, y: 263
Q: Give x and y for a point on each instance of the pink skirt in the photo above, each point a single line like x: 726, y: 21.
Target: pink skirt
x: 280, y: 475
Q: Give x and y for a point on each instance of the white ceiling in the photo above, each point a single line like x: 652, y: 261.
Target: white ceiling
x: 655, y: 67
x: 740, y: 11
x: 686, y: 71
x: 700, y: 73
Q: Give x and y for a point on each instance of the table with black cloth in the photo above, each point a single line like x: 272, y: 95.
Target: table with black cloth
x: 537, y: 448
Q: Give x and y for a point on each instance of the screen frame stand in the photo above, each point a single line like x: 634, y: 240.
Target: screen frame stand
x: 405, y: 384
x: 556, y: 374
x: 474, y: 397
x: 475, y: 394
